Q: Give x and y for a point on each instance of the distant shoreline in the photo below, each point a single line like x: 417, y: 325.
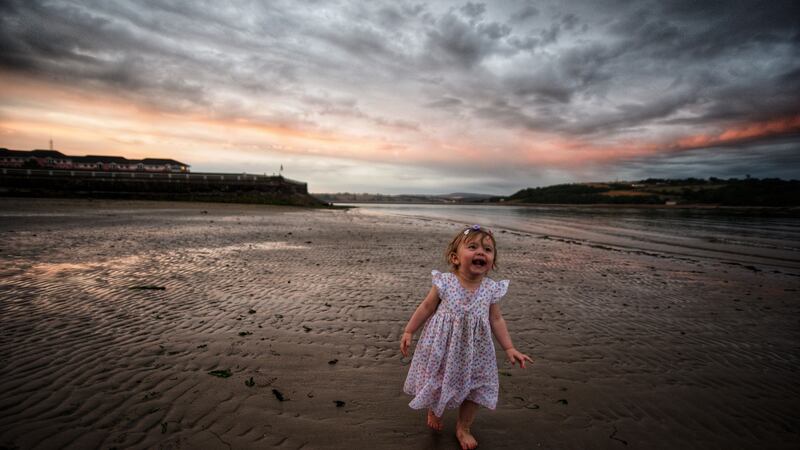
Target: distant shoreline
x: 690, y: 193
x: 589, y: 205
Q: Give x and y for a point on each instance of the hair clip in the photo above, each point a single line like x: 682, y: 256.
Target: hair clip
x: 476, y: 227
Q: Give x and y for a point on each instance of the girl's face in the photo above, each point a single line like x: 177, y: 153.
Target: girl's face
x: 475, y: 257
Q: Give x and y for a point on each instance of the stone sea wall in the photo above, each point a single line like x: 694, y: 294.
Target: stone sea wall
x: 214, y: 187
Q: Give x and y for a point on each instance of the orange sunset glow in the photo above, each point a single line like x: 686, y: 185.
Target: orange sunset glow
x: 463, y: 94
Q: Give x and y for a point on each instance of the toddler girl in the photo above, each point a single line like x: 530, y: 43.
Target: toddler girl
x: 454, y: 363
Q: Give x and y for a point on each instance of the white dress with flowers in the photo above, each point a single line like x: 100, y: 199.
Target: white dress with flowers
x: 455, y: 359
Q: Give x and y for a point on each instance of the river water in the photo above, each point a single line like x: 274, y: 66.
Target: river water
x: 731, y: 236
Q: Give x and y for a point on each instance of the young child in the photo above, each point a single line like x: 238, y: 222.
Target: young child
x: 454, y: 363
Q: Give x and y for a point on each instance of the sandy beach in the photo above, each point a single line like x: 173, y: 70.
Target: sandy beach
x: 187, y: 325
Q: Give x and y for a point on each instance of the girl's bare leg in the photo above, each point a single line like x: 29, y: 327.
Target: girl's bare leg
x: 434, y: 422
x: 466, y: 414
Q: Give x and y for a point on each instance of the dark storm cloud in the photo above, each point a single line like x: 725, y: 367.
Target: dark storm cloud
x: 66, y: 42
x: 164, y: 55
x: 473, y: 10
x: 716, y: 62
x: 456, y: 41
x: 777, y: 158
x: 728, y: 53
x: 524, y: 13
x: 733, y: 57
x: 571, y: 73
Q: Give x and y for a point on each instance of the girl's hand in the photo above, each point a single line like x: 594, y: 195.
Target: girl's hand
x: 405, y: 341
x: 513, y: 356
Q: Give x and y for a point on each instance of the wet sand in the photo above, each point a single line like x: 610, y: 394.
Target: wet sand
x: 113, y: 314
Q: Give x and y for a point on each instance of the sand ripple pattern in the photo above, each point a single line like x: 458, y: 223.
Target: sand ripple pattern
x: 112, y: 315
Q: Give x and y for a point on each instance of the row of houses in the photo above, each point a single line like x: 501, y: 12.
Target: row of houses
x: 52, y: 159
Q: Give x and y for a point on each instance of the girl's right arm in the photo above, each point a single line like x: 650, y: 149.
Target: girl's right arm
x: 424, y: 310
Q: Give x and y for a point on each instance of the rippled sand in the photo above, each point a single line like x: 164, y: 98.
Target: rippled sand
x: 112, y: 315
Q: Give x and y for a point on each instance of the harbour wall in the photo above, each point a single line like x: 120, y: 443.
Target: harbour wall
x: 215, y: 187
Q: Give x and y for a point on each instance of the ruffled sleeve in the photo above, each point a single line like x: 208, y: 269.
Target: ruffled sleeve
x: 438, y: 280
x: 500, y: 289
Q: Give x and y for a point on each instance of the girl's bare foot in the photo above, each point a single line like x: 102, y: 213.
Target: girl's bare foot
x: 434, y: 422
x: 466, y: 439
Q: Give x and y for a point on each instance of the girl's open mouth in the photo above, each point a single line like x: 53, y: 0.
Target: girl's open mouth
x: 479, y: 262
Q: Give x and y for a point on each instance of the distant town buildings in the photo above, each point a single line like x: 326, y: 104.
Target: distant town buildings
x: 52, y: 159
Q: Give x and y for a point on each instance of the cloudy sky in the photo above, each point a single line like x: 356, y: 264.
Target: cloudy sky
x: 406, y: 97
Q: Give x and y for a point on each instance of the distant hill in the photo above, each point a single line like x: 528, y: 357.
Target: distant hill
x: 730, y: 192
x: 347, y: 197
x: 466, y: 196
x: 652, y: 191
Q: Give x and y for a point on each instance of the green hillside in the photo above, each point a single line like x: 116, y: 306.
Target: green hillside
x: 653, y: 191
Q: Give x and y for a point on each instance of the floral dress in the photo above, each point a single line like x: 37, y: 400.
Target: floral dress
x: 455, y: 358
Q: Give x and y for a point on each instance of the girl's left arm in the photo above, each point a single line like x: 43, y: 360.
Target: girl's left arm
x: 500, y: 331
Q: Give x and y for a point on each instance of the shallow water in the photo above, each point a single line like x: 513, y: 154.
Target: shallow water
x: 734, y: 237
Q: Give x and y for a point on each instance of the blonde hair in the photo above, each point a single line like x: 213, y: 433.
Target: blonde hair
x: 469, y: 234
